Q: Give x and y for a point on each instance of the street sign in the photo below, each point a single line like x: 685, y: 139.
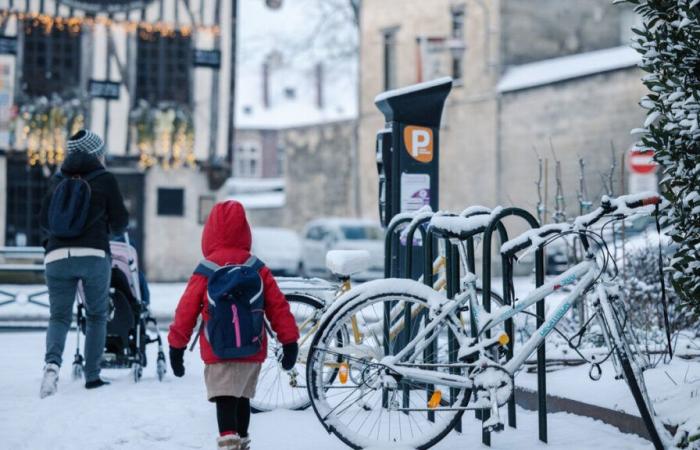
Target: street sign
x: 207, y: 58
x: 8, y: 45
x: 108, y: 90
x: 641, y: 160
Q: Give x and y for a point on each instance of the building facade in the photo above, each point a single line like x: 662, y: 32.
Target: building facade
x: 152, y: 78
x: 531, y: 77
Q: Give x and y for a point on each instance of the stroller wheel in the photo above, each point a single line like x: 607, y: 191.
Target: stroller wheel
x: 77, y: 373
x: 137, y: 372
x: 161, y: 369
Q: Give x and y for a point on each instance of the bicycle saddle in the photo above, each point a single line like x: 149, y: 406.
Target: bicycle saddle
x: 458, y: 227
x: 346, y: 263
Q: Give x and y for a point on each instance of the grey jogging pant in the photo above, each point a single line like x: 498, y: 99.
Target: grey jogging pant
x: 62, y: 278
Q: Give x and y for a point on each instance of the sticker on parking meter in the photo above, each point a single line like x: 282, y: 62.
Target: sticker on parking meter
x: 419, y: 143
x: 415, y: 191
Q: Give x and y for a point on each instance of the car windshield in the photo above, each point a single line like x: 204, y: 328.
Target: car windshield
x: 361, y: 232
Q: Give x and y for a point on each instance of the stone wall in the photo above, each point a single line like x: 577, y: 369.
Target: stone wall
x: 318, y: 172
x: 582, y: 117
x: 540, y: 29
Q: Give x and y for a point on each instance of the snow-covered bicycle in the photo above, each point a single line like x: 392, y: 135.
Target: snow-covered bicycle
x: 403, y: 390
x: 309, y: 300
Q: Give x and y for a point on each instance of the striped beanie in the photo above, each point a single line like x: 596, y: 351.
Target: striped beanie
x: 85, y: 141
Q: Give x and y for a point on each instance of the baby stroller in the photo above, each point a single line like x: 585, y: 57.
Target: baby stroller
x: 129, y: 316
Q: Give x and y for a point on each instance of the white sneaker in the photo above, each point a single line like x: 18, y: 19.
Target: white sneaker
x: 229, y: 442
x: 49, y: 384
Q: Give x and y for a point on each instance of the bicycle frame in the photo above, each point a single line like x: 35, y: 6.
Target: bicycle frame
x: 584, y: 272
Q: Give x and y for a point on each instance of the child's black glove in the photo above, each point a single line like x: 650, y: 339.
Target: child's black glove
x: 289, y: 355
x: 176, y: 361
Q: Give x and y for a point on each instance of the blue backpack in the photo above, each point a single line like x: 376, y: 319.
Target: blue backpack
x: 236, y: 308
x: 70, y: 205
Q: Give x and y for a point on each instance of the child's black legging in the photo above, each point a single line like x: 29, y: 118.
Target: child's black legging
x: 233, y: 414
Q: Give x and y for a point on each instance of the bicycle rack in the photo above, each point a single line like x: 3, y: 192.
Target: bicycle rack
x: 496, y: 224
x: 453, y: 272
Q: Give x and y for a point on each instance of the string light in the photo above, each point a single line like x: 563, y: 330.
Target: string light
x: 164, y: 136
x: 74, y: 24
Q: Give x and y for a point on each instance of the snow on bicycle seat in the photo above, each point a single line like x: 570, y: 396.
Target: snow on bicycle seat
x: 458, y: 227
x: 345, y: 263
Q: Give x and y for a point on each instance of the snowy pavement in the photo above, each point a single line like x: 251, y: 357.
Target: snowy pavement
x: 174, y: 414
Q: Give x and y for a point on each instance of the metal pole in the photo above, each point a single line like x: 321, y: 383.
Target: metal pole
x: 232, y: 85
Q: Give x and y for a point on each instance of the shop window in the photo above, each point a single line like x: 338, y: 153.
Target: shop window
x: 163, y: 68
x: 26, y: 187
x: 171, y: 202
x: 51, y: 60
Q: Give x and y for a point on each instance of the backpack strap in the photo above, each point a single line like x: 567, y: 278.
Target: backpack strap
x: 206, y: 268
x: 94, y: 174
x: 254, y: 263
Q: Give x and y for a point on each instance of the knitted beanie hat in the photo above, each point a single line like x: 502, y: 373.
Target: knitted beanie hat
x: 85, y: 141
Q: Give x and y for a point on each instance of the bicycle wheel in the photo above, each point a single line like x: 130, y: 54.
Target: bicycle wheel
x: 633, y: 362
x: 362, y: 406
x: 277, y: 388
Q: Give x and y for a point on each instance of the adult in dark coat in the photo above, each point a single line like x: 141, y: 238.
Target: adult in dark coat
x: 84, y: 258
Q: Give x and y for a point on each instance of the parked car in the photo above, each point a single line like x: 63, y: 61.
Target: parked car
x: 322, y: 235
x: 279, y: 249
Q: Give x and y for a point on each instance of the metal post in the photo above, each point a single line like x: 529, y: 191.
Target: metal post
x: 232, y: 84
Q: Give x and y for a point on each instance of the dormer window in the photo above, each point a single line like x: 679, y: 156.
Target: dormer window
x: 290, y: 93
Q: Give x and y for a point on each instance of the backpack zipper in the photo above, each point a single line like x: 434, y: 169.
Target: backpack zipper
x: 236, y: 325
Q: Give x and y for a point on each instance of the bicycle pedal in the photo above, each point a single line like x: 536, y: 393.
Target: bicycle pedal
x: 496, y: 428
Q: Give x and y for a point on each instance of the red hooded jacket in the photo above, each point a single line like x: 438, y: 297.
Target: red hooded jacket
x: 226, y: 240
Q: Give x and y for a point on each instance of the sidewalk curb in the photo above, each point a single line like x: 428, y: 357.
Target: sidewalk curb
x: 627, y: 423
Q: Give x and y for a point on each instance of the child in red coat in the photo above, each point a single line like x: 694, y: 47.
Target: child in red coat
x: 230, y: 383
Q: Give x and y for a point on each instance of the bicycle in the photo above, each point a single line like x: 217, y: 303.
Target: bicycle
x: 280, y: 389
x: 405, y: 393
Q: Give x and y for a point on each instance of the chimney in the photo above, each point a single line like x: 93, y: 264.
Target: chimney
x: 319, y: 85
x: 266, y: 84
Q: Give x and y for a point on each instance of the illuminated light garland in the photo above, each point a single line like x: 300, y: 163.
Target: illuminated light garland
x: 164, y: 135
x: 45, y: 126
x: 75, y: 24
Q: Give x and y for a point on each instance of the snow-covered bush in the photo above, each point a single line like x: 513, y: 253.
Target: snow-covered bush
x: 641, y: 293
x: 669, y: 41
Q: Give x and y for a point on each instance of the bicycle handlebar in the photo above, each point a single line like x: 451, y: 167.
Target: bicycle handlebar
x: 622, y: 206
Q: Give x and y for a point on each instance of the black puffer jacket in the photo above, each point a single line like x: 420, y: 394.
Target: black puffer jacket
x: 107, y: 211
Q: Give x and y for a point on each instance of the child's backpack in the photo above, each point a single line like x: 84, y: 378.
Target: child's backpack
x: 236, y: 308
x: 70, y: 205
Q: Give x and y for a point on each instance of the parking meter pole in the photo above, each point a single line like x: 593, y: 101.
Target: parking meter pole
x: 539, y: 281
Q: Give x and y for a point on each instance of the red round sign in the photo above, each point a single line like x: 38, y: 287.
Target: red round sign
x: 641, y: 161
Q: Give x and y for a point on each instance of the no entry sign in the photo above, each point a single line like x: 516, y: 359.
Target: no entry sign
x: 641, y: 160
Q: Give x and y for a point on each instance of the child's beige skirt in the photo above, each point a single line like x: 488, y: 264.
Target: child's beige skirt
x: 231, y: 379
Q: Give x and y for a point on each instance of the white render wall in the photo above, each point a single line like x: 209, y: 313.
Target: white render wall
x: 173, y: 243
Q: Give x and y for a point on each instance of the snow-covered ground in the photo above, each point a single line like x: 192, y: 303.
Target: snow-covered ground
x: 175, y: 415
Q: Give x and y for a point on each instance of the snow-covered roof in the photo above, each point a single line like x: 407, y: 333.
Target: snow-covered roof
x: 567, y: 67
x: 292, y: 75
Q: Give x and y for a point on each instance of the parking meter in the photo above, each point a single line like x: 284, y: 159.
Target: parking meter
x: 407, y: 149
x: 408, y: 154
